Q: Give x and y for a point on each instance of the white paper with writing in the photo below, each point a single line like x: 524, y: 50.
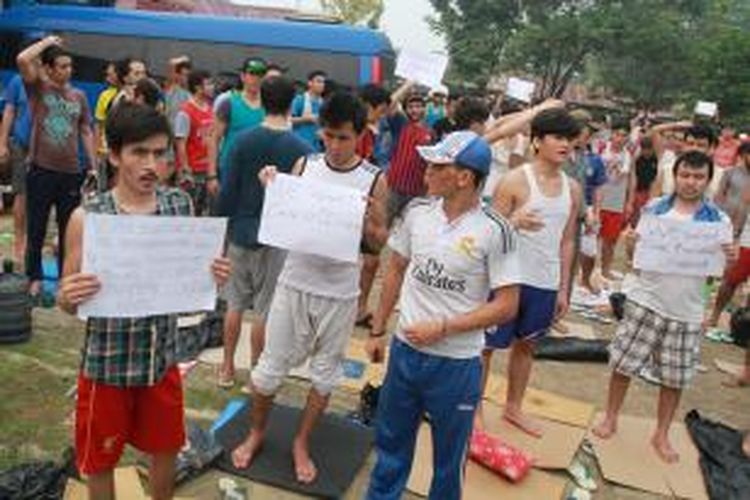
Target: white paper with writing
x: 150, y: 265
x: 422, y: 67
x: 519, y: 89
x: 678, y: 247
x: 706, y: 108
x: 309, y: 216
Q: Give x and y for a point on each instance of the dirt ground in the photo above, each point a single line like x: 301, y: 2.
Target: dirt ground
x: 36, y: 414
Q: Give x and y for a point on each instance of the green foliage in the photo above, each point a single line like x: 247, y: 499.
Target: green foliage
x: 652, y: 53
x: 355, y: 11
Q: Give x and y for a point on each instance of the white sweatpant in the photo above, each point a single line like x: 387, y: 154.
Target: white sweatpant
x: 302, y: 325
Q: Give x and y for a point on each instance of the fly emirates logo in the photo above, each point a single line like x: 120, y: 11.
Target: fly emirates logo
x: 432, y: 273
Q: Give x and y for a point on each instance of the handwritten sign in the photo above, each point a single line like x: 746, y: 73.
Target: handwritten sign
x: 521, y: 90
x: 705, y: 108
x: 679, y: 247
x: 313, y: 217
x: 425, y: 68
x: 150, y: 265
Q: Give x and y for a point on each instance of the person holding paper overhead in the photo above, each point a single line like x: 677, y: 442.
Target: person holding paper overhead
x: 129, y: 387
x: 543, y: 204
x: 447, y: 253
x: 314, y: 307
x: 664, y: 313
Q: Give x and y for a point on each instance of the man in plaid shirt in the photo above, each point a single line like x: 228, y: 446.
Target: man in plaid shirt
x: 129, y: 388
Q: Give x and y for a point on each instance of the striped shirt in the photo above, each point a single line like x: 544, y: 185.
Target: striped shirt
x: 129, y: 352
x: 406, y: 173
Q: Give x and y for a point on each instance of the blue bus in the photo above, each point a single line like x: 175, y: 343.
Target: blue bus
x: 350, y: 55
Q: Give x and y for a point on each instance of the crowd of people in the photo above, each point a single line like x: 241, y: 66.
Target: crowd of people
x: 491, y: 213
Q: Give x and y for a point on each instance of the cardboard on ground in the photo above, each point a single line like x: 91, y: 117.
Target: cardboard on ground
x: 544, y: 404
x: 730, y: 368
x: 627, y: 458
x: 554, y: 450
x: 482, y: 483
x: 374, y: 373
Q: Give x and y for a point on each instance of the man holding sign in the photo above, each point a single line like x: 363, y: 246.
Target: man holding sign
x: 662, y: 326
x: 314, y: 307
x: 129, y: 387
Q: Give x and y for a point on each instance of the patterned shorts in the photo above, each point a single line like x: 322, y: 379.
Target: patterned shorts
x: 645, y: 340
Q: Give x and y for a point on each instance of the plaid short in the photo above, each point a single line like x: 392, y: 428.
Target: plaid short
x: 646, y: 340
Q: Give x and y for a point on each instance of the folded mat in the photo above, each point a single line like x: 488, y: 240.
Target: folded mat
x: 572, y: 349
x: 726, y: 470
x: 339, y: 449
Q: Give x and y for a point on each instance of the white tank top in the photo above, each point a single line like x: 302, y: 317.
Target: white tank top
x: 540, y: 250
x: 323, y: 276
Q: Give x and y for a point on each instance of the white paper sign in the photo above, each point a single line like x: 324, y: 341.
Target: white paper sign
x: 425, y: 68
x: 309, y: 216
x: 519, y: 89
x: 150, y: 265
x: 677, y: 247
x: 705, y: 108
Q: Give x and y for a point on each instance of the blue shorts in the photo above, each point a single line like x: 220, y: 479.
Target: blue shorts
x: 536, y: 312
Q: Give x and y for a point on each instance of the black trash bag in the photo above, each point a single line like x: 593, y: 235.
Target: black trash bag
x: 726, y: 469
x: 368, y: 405
x: 572, y: 349
x: 199, y: 452
x: 739, y: 326
x: 38, y: 480
x: 192, y: 340
x: 617, y: 301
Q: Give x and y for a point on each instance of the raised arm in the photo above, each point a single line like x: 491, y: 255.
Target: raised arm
x: 28, y: 59
x: 510, y: 125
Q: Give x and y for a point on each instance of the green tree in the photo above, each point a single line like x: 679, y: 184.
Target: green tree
x: 355, y: 11
x: 476, y: 32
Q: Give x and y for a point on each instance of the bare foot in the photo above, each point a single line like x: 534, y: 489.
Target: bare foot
x: 523, y: 422
x: 742, y: 381
x: 225, y: 377
x: 664, y: 449
x: 304, y: 467
x: 746, y: 445
x: 243, y: 455
x: 592, y: 289
x: 605, y: 429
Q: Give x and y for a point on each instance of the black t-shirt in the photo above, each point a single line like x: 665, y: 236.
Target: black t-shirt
x: 443, y: 127
x: 242, y: 194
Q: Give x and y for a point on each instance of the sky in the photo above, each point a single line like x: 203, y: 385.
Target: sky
x: 403, y: 21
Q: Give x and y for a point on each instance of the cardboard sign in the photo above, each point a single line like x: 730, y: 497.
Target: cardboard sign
x: 706, y: 108
x: 151, y: 265
x: 308, y: 216
x: 521, y: 90
x: 425, y: 68
x: 686, y: 248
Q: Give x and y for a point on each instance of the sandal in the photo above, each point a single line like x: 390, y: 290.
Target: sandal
x: 224, y: 382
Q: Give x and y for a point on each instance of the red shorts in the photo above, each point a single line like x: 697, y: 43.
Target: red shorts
x: 612, y: 224
x: 107, y: 417
x: 740, y: 271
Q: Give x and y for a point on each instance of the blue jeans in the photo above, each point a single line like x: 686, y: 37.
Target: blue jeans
x: 416, y: 383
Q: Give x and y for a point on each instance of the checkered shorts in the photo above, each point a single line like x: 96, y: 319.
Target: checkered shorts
x: 646, y: 340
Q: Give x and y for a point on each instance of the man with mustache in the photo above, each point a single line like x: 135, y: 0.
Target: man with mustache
x: 664, y: 312
x: 543, y: 204
x: 129, y: 387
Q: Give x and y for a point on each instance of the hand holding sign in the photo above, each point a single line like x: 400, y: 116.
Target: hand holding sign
x: 521, y: 90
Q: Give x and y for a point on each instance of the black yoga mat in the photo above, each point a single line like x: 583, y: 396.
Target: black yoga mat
x: 338, y: 446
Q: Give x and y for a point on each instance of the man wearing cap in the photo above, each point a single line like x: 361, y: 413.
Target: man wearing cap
x: 447, y: 254
x: 235, y: 113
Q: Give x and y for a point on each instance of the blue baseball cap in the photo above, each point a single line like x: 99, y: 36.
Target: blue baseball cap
x: 464, y: 148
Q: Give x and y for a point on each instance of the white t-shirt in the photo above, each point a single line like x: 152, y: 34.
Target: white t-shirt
x: 453, y: 266
x: 670, y: 295
x: 615, y: 191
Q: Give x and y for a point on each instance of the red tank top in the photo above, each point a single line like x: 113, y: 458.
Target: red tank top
x: 201, y: 122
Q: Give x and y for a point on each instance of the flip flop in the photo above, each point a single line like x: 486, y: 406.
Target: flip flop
x: 224, y: 383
